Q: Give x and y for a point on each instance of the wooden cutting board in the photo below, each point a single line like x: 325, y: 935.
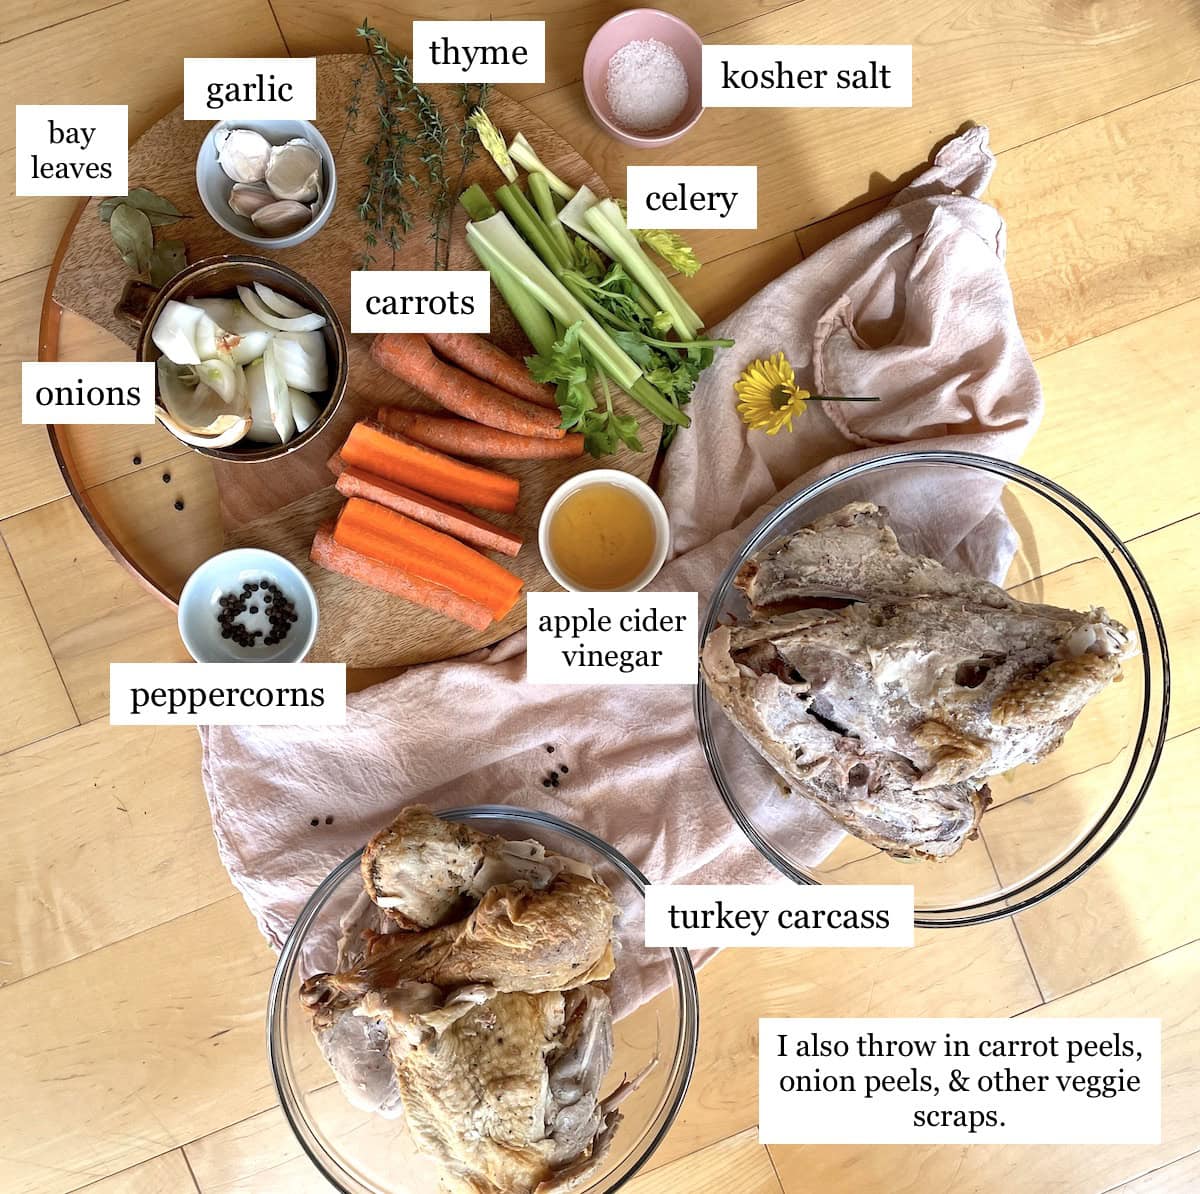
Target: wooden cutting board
x: 279, y: 504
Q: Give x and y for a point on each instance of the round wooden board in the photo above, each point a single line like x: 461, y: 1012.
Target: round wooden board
x: 279, y: 504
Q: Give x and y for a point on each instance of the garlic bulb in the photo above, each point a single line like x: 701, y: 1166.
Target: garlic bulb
x: 281, y: 218
x: 243, y: 154
x: 246, y: 198
x: 293, y: 171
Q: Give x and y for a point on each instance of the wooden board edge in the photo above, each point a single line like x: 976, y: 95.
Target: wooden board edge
x: 48, y: 332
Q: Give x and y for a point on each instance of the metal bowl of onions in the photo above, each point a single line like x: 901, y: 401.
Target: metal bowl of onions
x: 250, y: 358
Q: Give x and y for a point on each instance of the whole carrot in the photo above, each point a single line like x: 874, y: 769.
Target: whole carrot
x: 461, y: 437
x: 412, y: 360
x: 331, y: 555
x: 482, y: 358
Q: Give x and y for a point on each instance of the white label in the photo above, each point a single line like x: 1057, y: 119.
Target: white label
x: 479, y: 52
x: 249, y: 89
x: 72, y: 149
x: 611, y: 638
x: 417, y: 300
x: 87, y: 392
x: 715, y: 916
x: 227, y: 694
x: 807, y: 76
x: 961, y: 1081
x: 692, y: 196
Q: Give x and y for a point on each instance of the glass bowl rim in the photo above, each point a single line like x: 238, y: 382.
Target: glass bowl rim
x: 1090, y: 523
x: 683, y: 1065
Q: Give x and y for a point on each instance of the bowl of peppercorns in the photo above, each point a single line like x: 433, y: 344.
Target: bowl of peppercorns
x: 247, y: 606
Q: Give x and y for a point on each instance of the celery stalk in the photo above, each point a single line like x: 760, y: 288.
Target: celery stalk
x: 499, y: 235
x: 523, y: 154
x: 606, y: 221
x: 520, y: 211
x: 528, y: 312
x: 543, y: 201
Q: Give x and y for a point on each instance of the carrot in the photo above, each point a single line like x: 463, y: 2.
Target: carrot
x: 330, y: 554
x: 482, y: 358
x: 411, y: 359
x: 461, y: 437
x: 442, y: 516
x: 391, y: 538
x: 390, y: 455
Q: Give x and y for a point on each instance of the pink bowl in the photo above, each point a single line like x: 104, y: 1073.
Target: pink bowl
x: 639, y: 24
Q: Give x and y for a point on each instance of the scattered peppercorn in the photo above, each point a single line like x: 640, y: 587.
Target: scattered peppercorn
x: 178, y: 503
x: 564, y: 768
x: 166, y: 478
x: 137, y: 460
x: 315, y: 821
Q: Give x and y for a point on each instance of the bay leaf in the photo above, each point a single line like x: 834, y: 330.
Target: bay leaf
x: 168, y: 258
x: 158, y: 210
x: 133, y: 236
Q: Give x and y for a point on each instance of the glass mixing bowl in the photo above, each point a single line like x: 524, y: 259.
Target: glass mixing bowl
x: 1049, y: 821
x: 363, y: 1153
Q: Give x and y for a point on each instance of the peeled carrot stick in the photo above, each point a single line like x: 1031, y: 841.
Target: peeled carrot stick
x: 482, y: 358
x: 392, y: 456
x: 442, y: 516
x: 410, y: 358
x: 393, y: 539
x: 461, y: 437
x: 330, y: 554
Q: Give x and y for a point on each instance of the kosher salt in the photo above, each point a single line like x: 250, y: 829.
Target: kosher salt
x: 647, y: 85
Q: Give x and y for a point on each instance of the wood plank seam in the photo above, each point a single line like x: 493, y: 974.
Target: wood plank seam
x: 8, y: 41
x: 1147, y: 1172
x: 1097, y: 981
x: 49, y: 650
x: 282, y: 38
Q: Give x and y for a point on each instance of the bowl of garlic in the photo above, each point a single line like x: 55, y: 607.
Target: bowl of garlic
x: 270, y: 183
x: 250, y: 358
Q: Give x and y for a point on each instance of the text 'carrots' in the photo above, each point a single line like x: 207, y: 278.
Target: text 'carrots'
x: 442, y: 516
x: 334, y: 557
x: 391, y: 538
x: 461, y: 437
x: 482, y: 358
x: 392, y: 456
x: 410, y: 358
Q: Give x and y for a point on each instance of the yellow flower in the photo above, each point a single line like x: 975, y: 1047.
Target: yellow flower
x: 768, y: 399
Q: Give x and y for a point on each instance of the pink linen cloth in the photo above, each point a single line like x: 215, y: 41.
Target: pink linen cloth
x: 914, y: 306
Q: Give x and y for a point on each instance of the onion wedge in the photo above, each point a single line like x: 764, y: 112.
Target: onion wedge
x: 309, y: 322
x: 174, y: 332
x: 229, y: 429
x: 278, y: 303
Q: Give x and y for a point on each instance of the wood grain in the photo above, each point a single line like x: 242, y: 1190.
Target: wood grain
x: 124, y: 802
x: 1131, y: 904
x: 1158, y: 988
x: 146, y: 1050
x: 60, y: 559
x: 1178, y: 1177
x: 165, y: 1174
x: 736, y: 1163
x: 33, y: 701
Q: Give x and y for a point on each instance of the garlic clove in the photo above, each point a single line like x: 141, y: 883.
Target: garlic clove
x: 293, y: 171
x: 281, y: 218
x: 243, y: 154
x: 246, y: 198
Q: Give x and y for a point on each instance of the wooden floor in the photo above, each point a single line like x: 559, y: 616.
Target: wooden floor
x: 132, y: 981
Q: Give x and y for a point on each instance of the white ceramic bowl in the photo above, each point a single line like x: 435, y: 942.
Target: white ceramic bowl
x: 200, y: 605
x: 650, y: 499
x: 214, y: 184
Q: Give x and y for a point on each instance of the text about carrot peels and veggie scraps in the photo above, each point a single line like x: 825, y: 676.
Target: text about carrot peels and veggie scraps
x: 959, y: 1081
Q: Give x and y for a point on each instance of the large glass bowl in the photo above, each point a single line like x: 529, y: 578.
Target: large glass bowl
x: 1049, y: 821
x: 362, y: 1153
